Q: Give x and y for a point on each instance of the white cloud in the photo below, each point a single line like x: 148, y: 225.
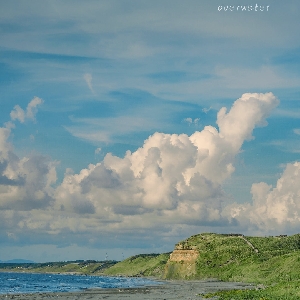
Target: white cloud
x: 106, y: 130
x: 265, y: 77
x: 93, y: 135
x: 25, y: 183
x: 274, y: 209
x: 32, y: 107
x: 288, y: 145
x: 295, y: 113
x: 171, y: 179
x: 190, y: 121
x: 297, y: 131
x: 98, y: 150
x: 206, y: 110
x: 88, y: 79
x: 251, y: 110
x: 19, y: 114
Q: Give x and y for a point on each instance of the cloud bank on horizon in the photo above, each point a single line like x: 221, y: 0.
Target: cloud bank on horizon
x: 172, y: 180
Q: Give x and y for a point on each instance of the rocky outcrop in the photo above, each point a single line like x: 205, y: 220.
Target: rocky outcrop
x: 182, y: 262
x: 184, y: 256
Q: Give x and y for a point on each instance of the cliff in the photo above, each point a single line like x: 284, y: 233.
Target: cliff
x: 273, y: 262
x: 182, y: 262
x: 232, y: 257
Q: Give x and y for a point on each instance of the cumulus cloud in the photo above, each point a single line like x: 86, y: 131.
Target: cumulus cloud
x: 274, y: 209
x: 172, y: 178
x: 190, y: 121
x: 22, y: 115
x: 249, y: 111
x: 25, y: 183
x: 173, y: 182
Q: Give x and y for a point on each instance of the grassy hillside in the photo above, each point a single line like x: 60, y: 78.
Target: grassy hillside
x: 89, y: 267
x: 237, y: 258
x: 271, y: 262
x: 140, y: 265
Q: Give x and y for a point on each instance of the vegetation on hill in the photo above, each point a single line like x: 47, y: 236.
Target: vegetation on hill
x: 272, y: 263
x: 236, y: 257
x: 140, y: 265
x: 87, y: 267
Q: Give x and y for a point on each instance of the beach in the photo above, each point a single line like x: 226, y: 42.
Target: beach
x: 174, y: 289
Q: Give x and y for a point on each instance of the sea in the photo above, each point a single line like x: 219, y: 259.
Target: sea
x: 21, y: 283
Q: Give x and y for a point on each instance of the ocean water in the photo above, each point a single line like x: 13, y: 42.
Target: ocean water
x: 14, y: 283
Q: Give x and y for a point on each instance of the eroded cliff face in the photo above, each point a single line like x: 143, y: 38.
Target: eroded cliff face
x: 182, y: 263
x: 184, y: 256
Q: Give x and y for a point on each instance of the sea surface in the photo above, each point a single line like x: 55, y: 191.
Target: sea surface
x: 15, y: 283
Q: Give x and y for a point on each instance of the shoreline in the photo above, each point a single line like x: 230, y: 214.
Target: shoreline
x: 170, y: 289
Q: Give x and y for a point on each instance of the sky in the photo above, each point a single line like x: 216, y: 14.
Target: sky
x: 127, y: 126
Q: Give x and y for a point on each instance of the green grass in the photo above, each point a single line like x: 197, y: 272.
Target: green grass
x: 279, y: 291
x: 78, y: 267
x: 276, y: 265
x: 230, y: 257
x: 140, y: 265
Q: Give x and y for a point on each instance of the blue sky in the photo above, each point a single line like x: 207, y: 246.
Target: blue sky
x: 108, y: 149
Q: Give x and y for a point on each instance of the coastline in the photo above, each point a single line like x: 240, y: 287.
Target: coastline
x: 170, y: 289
